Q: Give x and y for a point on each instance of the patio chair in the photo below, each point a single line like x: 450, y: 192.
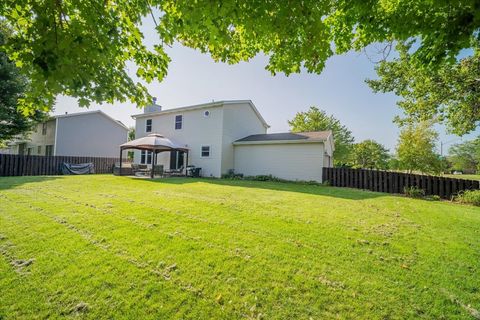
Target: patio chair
x: 158, y: 170
x: 175, y: 172
x: 140, y: 169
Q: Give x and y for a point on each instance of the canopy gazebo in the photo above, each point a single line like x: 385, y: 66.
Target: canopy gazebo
x: 155, y: 143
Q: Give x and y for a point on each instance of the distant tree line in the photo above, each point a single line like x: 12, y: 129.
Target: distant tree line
x: 416, y: 149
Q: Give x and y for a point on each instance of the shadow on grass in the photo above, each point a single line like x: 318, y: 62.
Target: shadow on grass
x: 12, y: 182
x: 337, y: 192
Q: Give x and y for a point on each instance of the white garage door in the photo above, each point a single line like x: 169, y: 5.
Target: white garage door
x: 291, y: 161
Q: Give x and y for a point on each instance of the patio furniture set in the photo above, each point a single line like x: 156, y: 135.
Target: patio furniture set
x: 158, y: 170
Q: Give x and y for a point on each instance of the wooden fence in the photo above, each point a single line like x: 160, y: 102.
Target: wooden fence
x: 22, y: 165
x: 395, y: 182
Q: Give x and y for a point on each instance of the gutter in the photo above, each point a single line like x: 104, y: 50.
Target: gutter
x: 278, y: 142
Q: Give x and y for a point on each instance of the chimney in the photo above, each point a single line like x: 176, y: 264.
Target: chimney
x: 154, y: 107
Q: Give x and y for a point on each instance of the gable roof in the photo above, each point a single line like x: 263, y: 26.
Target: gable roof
x: 203, y: 106
x: 67, y: 115
x: 286, y: 137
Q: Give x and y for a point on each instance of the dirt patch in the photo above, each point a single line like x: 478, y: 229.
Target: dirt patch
x: 468, y: 308
x: 331, y: 284
x: 19, y: 265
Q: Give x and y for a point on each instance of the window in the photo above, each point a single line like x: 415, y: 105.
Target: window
x: 178, y: 122
x: 29, y: 151
x: 44, y: 128
x: 205, y: 151
x: 206, y: 113
x: 49, y: 150
x: 39, y: 150
x: 148, y: 125
x: 146, y: 157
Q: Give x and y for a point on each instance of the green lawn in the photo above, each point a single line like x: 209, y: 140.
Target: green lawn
x: 117, y: 247
x: 464, y: 176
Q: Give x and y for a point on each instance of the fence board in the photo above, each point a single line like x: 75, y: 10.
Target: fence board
x: 395, y: 182
x: 25, y: 165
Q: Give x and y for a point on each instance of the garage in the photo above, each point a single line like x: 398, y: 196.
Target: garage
x: 291, y: 156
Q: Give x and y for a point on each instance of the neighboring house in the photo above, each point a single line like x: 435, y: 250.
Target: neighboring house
x: 89, y: 134
x: 232, y: 135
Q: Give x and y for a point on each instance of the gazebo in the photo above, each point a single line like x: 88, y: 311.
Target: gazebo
x: 155, y: 143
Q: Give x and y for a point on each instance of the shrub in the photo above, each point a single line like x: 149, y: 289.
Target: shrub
x: 414, y: 192
x: 265, y: 178
x: 232, y: 175
x: 433, y: 198
x: 469, y: 197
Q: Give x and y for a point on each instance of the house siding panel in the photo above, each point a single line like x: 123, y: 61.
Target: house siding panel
x: 90, y: 134
x: 302, y: 161
x: 239, y: 121
x: 197, y: 130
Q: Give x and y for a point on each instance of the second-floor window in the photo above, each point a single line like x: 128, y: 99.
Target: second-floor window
x: 178, y: 122
x: 39, y: 150
x: 148, y: 125
x: 44, y: 128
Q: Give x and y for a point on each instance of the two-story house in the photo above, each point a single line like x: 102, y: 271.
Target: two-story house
x: 232, y: 135
x: 91, y: 133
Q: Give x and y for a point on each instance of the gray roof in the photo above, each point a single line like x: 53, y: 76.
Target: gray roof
x: 288, y: 136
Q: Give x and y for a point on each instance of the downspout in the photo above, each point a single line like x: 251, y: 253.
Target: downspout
x: 55, y: 139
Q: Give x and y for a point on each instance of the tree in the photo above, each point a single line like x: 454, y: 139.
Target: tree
x: 317, y: 120
x: 131, y: 136
x: 449, y: 93
x: 131, y: 133
x: 370, y: 154
x: 466, y: 156
x: 12, y: 86
x: 416, y: 149
x: 81, y: 49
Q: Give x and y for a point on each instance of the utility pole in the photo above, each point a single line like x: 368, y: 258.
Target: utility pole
x: 442, y: 143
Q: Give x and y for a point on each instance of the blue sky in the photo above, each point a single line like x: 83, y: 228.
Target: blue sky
x: 340, y: 90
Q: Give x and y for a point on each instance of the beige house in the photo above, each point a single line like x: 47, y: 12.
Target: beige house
x: 232, y: 135
x: 91, y: 133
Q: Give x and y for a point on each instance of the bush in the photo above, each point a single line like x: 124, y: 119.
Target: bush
x: 269, y: 178
x: 433, y: 198
x: 469, y: 197
x: 232, y: 175
x: 265, y: 178
x: 414, y: 192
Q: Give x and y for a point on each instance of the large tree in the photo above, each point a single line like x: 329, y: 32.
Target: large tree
x: 449, y: 93
x: 317, y: 120
x: 81, y: 48
x: 12, y: 86
x: 416, y: 149
x: 370, y: 154
x: 466, y: 155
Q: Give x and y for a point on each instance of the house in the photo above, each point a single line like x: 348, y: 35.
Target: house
x: 89, y: 134
x: 232, y: 135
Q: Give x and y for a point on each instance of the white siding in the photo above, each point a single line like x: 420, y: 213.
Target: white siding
x: 37, y: 139
x: 90, y: 134
x: 197, y: 130
x: 290, y: 161
x: 239, y: 121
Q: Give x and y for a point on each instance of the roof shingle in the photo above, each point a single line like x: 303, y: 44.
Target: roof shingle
x: 288, y: 136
